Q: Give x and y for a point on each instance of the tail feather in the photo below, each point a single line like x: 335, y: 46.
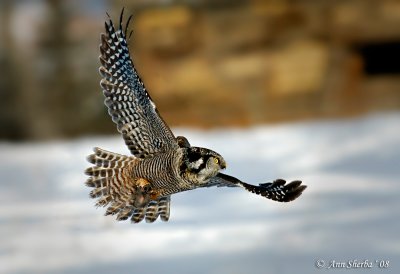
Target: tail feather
x: 96, y: 182
x: 113, y: 187
x: 107, y: 159
x: 114, y: 208
x: 100, y: 172
x: 103, y: 201
x: 125, y: 213
x: 98, y: 192
x: 107, y: 178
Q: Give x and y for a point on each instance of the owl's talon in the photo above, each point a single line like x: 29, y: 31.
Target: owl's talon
x: 154, y: 195
x: 143, y: 184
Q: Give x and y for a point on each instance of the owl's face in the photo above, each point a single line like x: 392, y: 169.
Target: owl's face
x: 202, y: 163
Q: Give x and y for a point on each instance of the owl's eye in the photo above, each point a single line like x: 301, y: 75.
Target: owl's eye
x: 216, y: 161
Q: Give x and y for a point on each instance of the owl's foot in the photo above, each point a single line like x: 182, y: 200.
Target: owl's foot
x: 154, y: 195
x: 142, y: 192
x: 143, y: 185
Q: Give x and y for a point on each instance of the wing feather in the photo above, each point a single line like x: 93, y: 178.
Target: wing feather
x: 128, y: 103
x: 277, y: 190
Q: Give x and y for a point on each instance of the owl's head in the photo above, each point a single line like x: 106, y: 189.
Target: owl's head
x: 202, y: 163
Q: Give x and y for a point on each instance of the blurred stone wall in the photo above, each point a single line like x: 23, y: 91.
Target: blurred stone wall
x: 206, y: 63
x: 217, y: 64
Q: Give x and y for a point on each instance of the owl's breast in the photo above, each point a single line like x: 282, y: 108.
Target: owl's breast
x: 162, y: 171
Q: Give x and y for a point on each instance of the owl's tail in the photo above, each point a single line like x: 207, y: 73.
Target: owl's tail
x: 113, y: 187
x: 107, y: 175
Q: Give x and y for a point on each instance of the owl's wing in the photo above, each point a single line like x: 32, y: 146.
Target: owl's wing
x: 149, y: 212
x: 277, y: 190
x: 127, y: 100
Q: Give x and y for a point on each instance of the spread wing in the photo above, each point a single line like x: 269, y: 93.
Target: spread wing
x: 277, y: 190
x: 127, y: 100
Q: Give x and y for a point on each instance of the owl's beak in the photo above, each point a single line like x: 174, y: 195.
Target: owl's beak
x: 223, y: 164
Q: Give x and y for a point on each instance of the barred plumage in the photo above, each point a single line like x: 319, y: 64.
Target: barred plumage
x: 114, y: 181
x: 128, y: 102
x: 139, y: 187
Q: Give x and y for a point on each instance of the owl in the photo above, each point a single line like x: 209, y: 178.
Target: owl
x: 139, y: 187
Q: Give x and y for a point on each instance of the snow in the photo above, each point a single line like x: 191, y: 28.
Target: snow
x: 350, y: 210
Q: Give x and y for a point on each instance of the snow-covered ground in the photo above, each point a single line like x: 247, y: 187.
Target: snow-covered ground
x: 350, y: 210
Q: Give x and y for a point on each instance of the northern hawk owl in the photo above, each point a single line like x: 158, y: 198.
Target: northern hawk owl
x: 140, y: 186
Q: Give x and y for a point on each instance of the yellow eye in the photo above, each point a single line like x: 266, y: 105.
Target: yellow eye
x: 216, y: 161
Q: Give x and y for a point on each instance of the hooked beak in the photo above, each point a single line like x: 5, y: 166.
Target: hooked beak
x: 223, y: 164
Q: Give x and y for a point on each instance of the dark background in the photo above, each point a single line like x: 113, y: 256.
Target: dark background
x: 206, y: 63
